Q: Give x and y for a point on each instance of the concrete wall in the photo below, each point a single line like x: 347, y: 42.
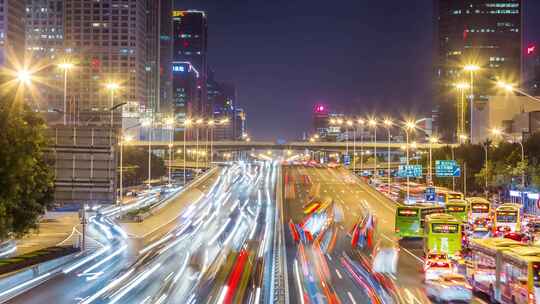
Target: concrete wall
x: 84, y: 160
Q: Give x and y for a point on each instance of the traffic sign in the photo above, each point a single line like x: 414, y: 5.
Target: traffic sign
x: 430, y: 194
x: 447, y: 168
x: 410, y: 171
x: 347, y: 159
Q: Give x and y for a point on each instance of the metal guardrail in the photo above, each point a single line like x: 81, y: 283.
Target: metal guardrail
x: 279, y: 265
x: 15, y: 283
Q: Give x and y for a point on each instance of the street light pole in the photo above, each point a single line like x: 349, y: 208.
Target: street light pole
x: 407, y: 161
x: 373, y: 123
x: 388, y: 124
x: 66, y: 66
x: 187, y: 122
x: 197, y: 123
x: 471, y: 68
x: 361, y: 122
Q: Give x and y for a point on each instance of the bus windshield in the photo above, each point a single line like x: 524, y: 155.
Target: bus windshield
x: 454, y: 208
x: 536, y: 273
x: 408, y: 212
x: 479, y: 208
x: 506, y: 216
x: 444, y: 228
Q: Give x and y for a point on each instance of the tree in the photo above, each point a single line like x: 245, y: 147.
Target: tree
x: 26, y: 179
x: 136, y: 166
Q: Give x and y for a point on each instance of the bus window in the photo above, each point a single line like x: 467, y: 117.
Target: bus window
x: 444, y: 228
x: 479, y: 208
x: 506, y: 216
x: 536, y: 273
x: 455, y: 209
x: 408, y: 212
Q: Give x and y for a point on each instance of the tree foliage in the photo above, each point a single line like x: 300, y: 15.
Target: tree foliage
x: 26, y: 179
x: 504, y: 166
x: 136, y: 166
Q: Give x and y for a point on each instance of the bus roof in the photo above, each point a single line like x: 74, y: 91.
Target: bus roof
x: 508, y: 206
x: 456, y: 202
x: 523, y: 254
x: 495, y: 243
x: 420, y: 205
x: 476, y: 199
x: 442, y: 217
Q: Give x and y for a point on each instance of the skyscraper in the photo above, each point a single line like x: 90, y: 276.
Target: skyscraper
x: 12, y: 33
x: 45, y: 48
x: 189, y: 44
x: 107, y: 39
x: 483, y: 33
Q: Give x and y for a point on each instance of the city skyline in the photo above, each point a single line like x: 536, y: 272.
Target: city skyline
x: 315, y: 67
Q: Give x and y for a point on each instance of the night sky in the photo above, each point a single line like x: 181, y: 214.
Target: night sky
x: 357, y: 56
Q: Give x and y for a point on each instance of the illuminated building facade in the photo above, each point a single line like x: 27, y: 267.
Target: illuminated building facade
x: 107, y: 40
x: 12, y: 33
x: 45, y: 48
x: 485, y: 33
x: 189, y: 45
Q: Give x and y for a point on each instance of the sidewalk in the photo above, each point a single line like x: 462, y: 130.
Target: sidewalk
x: 53, y: 229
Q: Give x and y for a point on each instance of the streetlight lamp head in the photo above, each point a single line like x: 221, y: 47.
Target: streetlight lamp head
x: 211, y: 122
x: 24, y: 76
x: 187, y: 122
x: 361, y: 121
x: 312, y: 140
x: 506, y: 86
x: 112, y: 86
x: 339, y: 121
x: 387, y: 122
x: 349, y: 123
x: 410, y: 125
x: 332, y: 121
x: 471, y: 67
x: 316, y: 136
x: 372, y: 122
x: 433, y: 140
x: 199, y: 121
x: 462, y: 85
x: 66, y: 65
x: 169, y: 121
x: 496, y: 132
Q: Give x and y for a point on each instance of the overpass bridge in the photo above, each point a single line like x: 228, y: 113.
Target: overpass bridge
x: 294, y: 145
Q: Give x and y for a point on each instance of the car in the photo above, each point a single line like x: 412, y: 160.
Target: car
x: 437, y: 264
x: 517, y: 236
x: 449, y: 288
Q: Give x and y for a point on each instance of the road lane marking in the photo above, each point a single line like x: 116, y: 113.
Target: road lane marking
x: 339, y: 274
x: 351, y: 297
x: 405, y: 249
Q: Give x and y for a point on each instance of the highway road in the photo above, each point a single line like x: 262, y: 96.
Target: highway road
x: 117, y: 253
x: 219, y: 251
x: 353, y: 197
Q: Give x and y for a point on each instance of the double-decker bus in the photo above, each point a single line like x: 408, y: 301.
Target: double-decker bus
x: 478, y: 208
x: 444, y: 196
x: 505, y: 270
x: 459, y: 209
x: 442, y: 233
x: 507, y: 218
x: 409, y: 221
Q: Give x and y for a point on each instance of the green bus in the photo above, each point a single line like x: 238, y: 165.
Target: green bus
x: 459, y: 209
x: 409, y: 221
x: 442, y: 233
